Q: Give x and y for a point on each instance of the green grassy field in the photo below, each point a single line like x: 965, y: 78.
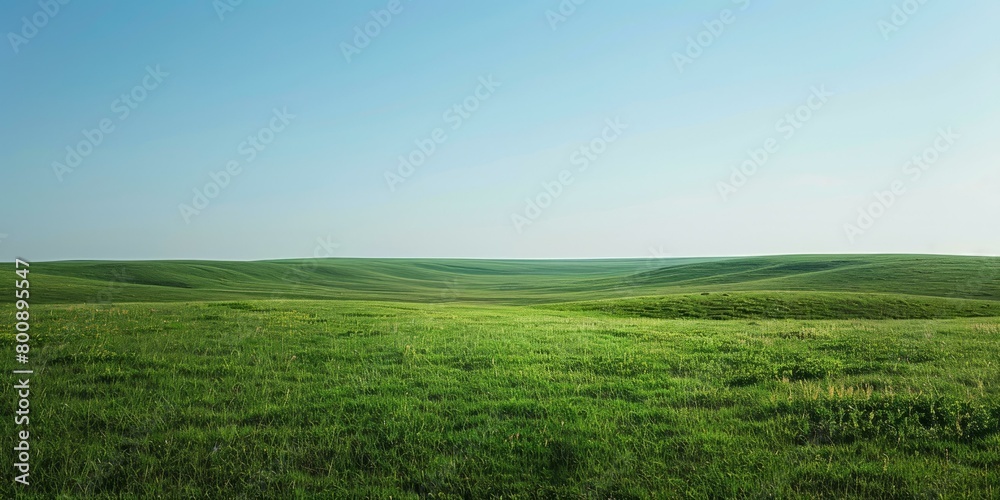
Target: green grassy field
x: 799, y: 376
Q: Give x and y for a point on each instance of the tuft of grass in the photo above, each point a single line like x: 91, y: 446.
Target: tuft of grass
x: 916, y: 419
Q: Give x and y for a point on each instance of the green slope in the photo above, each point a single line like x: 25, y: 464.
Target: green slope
x: 508, y: 281
x: 787, y: 305
x: 943, y: 276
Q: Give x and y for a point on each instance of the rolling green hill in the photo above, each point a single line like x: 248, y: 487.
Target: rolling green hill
x: 509, y: 281
x: 788, y: 305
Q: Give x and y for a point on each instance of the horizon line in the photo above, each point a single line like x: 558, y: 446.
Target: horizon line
x: 528, y: 259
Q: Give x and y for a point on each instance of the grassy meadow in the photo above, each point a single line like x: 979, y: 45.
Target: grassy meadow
x: 797, y: 376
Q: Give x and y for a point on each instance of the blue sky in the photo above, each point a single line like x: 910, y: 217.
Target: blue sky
x: 663, y: 183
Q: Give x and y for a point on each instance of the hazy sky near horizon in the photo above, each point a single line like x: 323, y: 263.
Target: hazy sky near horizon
x: 622, y: 122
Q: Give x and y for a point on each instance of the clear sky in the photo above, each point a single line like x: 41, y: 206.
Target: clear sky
x: 635, y: 113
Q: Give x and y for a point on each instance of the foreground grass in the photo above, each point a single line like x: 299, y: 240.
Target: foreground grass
x: 249, y: 399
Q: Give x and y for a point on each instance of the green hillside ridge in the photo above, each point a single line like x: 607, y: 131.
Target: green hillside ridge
x: 787, y: 305
x: 509, y: 281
